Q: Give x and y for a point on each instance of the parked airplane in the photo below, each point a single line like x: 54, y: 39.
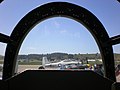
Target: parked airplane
x: 46, y: 63
x: 64, y: 64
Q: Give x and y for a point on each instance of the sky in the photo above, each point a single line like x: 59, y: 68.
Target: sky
x: 59, y: 34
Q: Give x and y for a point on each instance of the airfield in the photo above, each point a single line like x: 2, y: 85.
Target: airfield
x: 22, y: 68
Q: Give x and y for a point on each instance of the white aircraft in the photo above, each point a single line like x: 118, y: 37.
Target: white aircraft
x: 46, y: 63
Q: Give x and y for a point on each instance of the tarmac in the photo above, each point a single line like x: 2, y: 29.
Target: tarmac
x: 22, y: 68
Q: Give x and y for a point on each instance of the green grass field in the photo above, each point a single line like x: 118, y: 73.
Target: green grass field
x: 29, y: 63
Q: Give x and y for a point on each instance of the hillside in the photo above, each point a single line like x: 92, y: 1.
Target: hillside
x: 60, y: 56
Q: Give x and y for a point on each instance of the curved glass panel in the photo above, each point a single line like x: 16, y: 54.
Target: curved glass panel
x: 59, y: 44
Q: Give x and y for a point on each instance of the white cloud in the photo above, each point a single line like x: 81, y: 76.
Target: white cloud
x: 77, y: 35
x: 57, y: 24
x: 31, y: 48
x: 63, y: 31
x: 46, y: 30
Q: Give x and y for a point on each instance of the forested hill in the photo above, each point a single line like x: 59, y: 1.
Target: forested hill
x: 60, y: 56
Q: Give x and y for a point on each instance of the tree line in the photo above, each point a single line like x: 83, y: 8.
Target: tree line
x: 62, y: 56
x: 59, y: 56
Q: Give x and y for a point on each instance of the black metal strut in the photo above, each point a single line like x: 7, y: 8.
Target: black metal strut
x: 114, y: 40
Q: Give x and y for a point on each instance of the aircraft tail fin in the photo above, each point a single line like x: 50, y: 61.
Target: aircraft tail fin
x: 45, y: 61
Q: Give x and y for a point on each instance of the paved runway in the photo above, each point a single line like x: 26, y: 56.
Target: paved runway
x: 22, y: 68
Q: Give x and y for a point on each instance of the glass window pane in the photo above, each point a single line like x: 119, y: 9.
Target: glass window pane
x: 116, y: 49
x: 2, y: 54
